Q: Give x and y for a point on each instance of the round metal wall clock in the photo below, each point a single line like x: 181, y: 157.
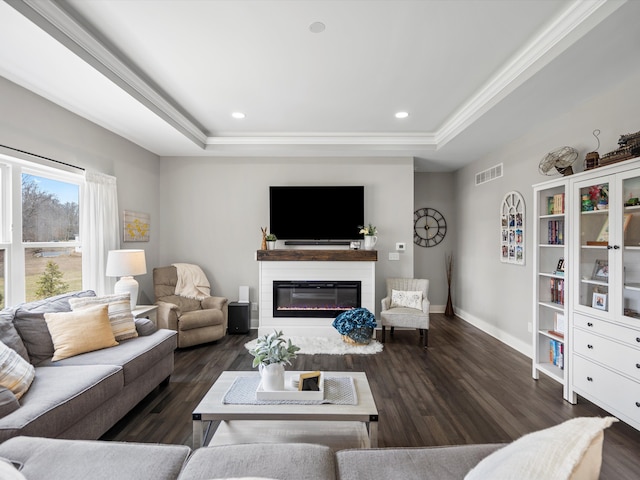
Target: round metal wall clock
x: 429, y: 227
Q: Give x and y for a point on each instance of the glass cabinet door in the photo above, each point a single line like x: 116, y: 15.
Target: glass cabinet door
x: 630, y: 205
x: 594, y: 254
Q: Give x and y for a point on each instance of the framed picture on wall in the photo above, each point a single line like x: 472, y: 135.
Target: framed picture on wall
x: 136, y: 226
x: 512, y: 229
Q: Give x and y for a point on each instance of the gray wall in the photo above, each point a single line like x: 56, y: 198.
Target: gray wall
x: 210, y: 210
x: 31, y: 123
x: 213, y: 208
x: 497, y: 297
x: 436, y: 190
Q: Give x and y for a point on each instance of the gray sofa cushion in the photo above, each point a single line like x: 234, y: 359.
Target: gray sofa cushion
x: 8, y: 402
x: 59, y: 396
x: 56, y: 459
x: 437, y: 463
x: 133, y: 355
x: 299, y: 461
x: 30, y: 323
x: 9, y: 335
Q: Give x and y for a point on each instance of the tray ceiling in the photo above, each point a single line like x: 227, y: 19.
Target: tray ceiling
x: 320, y: 78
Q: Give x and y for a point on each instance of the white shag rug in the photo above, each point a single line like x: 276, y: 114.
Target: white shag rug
x: 328, y: 345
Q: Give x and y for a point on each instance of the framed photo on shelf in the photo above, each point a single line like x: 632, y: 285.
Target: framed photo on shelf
x: 599, y: 301
x: 560, y: 266
x: 601, y: 271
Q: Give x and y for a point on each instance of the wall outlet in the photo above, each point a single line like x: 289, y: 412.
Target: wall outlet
x: 254, y: 306
x: 394, y: 256
x: 530, y: 327
x: 401, y: 246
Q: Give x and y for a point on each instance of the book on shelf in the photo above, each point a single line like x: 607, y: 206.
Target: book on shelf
x: 556, y: 353
x: 555, y: 204
x: 555, y: 235
x: 557, y: 290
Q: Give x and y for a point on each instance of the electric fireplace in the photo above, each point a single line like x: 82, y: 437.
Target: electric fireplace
x: 325, y: 299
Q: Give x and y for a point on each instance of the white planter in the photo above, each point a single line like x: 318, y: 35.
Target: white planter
x: 370, y: 242
x: 272, y: 377
x: 271, y: 245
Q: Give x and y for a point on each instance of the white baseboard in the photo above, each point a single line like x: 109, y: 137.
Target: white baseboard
x: 436, y: 308
x: 510, y: 340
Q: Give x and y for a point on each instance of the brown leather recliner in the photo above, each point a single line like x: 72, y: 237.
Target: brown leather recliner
x: 196, y: 321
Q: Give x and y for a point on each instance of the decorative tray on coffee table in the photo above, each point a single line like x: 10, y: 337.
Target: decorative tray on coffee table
x: 291, y: 391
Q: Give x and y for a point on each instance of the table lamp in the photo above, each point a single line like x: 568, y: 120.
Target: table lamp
x: 125, y: 264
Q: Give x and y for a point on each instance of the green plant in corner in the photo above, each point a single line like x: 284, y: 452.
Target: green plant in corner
x: 271, y: 238
x: 273, y: 348
x: 368, y: 229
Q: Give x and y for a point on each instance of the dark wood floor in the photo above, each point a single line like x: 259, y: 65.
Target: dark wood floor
x: 466, y: 388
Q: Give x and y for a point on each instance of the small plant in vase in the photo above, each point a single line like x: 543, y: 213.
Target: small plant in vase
x: 270, y: 355
x: 370, y: 235
x: 271, y: 241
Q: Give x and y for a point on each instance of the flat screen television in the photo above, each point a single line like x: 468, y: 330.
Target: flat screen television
x: 316, y: 213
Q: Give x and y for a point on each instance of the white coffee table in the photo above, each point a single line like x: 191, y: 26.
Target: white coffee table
x: 325, y: 423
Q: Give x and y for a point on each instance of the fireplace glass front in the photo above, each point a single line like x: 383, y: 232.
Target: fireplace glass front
x: 323, y: 299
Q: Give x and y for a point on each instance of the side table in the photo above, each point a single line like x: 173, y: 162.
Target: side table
x: 146, y: 311
x: 239, y: 317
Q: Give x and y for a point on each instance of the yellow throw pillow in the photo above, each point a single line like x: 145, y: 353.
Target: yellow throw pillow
x: 79, y: 332
x: 119, y: 310
x: 16, y: 374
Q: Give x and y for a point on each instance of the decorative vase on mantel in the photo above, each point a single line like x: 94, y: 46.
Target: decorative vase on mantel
x: 370, y: 242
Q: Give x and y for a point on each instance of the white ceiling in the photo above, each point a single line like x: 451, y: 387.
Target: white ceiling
x: 167, y: 74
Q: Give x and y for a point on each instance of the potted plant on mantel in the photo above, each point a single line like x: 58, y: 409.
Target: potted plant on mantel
x: 270, y: 355
x: 370, y: 236
x: 271, y: 241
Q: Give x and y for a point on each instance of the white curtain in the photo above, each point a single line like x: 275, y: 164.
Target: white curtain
x: 100, y: 232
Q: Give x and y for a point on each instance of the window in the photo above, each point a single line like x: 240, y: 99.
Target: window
x: 40, y: 230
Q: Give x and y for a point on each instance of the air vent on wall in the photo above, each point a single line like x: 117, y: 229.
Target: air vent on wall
x: 489, y: 174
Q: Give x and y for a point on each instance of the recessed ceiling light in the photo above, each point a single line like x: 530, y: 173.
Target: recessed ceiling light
x: 238, y: 115
x: 402, y: 114
x: 317, y: 27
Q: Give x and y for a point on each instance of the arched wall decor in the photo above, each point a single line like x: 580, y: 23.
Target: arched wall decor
x: 512, y: 229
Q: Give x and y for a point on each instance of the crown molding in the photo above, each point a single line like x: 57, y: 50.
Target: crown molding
x: 64, y: 27
x: 57, y: 19
x: 558, y: 35
x: 327, y: 139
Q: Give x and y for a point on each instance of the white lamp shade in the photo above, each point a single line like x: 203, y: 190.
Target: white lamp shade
x: 125, y: 263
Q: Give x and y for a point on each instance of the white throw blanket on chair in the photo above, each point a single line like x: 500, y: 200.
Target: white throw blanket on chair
x: 192, y: 282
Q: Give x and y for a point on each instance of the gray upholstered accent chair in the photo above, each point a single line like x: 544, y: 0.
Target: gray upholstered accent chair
x: 406, y: 310
x: 196, y: 321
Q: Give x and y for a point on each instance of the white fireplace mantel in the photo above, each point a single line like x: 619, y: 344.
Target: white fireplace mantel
x: 325, y: 265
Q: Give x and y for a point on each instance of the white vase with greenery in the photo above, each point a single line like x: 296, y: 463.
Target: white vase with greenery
x: 270, y: 354
x: 370, y: 236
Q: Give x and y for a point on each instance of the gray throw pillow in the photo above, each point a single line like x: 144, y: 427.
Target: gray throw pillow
x: 145, y: 327
x: 9, y: 335
x: 32, y: 327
